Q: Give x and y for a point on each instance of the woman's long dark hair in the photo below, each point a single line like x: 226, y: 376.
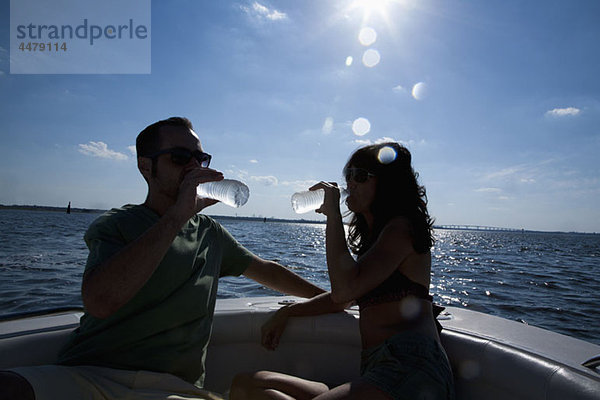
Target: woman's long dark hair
x: 397, y: 193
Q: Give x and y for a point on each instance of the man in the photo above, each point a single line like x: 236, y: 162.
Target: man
x: 150, y: 284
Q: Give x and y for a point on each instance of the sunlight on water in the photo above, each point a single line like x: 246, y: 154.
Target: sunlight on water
x: 361, y: 126
x: 386, y: 155
x: 371, y: 58
x: 544, y: 279
x: 367, y: 36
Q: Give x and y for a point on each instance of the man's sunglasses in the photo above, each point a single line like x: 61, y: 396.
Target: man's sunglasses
x: 182, y: 156
x: 358, y: 175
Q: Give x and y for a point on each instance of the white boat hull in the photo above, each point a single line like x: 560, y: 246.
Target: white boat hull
x: 492, y: 358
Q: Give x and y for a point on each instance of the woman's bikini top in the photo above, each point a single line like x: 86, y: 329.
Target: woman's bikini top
x: 396, y: 287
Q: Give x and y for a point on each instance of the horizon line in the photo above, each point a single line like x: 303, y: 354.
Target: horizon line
x: 461, y: 227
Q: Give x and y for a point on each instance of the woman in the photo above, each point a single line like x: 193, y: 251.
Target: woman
x: 391, y: 234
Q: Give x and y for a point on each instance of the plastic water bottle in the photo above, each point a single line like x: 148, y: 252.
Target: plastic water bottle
x: 310, y: 200
x: 306, y: 201
x: 228, y: 191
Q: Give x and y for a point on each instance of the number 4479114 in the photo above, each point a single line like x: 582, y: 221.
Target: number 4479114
x: 33, y: 46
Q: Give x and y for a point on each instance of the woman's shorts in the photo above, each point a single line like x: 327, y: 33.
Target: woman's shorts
x: 409, y: 366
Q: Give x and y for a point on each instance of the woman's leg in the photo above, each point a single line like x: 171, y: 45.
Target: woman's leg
x: 359, y: 390
x: 274, y: 385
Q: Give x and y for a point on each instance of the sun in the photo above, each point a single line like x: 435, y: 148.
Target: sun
x: 372, y: 7
x: 382, y: 10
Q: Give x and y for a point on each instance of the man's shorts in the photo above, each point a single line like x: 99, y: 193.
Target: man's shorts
x: 52, y: 382
x: 409, y: 366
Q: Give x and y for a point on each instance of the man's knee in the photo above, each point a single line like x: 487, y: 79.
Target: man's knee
x: 15, y: 387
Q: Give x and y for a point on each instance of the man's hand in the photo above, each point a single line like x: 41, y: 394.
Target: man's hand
x: 188, y: 202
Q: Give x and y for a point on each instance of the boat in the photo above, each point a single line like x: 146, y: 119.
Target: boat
x: 492, y: 358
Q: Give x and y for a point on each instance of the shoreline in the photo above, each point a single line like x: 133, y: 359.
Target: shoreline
x: 50, y: 208
x: 295, y: 221
x: 99, y: 211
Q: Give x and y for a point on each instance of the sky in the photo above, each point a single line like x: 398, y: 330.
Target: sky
x: 497, y: 100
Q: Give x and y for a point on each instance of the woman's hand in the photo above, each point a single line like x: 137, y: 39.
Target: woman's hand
x: 331, y: 204
x: 273, y: 328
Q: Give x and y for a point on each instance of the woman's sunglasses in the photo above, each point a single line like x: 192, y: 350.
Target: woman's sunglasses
x: 358, y: 175
x: 182, y: 156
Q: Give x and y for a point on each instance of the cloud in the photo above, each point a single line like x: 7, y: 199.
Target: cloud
x: 299, y: 185
x: 132, y: 150
x: 366, y: 142
x: 399, y: 89
x: 269, y: 180
x: 521, y: 173
x: 504, y: 173
x: 409, y: 143
x: 262, y: 12
x: 100, y: 149
x: 253, y: 161
x: 235, y: 172
x: 327, y: 126
x: 563, y: 112
x: 488, y: 190
x: 412, y: 142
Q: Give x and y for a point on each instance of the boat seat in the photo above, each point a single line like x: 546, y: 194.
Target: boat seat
x: 35, y: 340
x: 485, y: 369
x: 327, y: 348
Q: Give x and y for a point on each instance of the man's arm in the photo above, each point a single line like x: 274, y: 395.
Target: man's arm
x: 277, y: 277
x: 111, y: 284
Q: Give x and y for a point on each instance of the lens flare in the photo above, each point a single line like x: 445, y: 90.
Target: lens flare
x: 386, y: 155
x: 419, y: 91
x: 367, y: 36
x: 349, y: 60
x: 410, y: 308
x: 361, y: 126
x: 327, y: 126
x: 371, y: 58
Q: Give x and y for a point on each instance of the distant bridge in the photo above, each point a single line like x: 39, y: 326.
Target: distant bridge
x: 477, y: 228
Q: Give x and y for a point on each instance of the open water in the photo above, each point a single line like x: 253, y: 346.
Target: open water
x: 550, y: 280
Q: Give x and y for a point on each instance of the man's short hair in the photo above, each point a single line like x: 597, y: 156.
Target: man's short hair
x: 149, y: 140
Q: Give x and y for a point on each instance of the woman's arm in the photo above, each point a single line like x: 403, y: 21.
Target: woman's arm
x: 274, y: 327
x: 341, y: 266
x: 351, y: 279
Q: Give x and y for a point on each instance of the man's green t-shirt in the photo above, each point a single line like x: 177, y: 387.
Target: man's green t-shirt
x: 166, y: 326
